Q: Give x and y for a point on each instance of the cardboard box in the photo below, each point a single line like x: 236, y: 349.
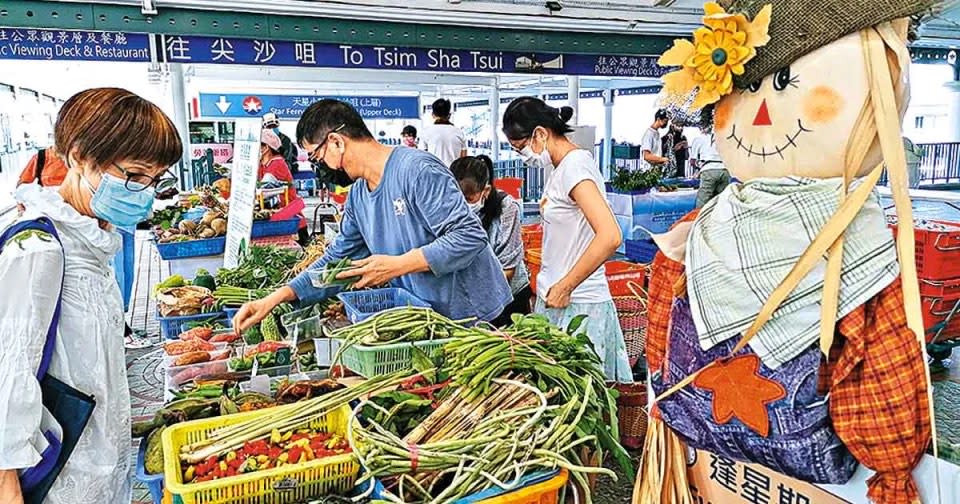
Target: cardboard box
x: 715, y: 480
x: 718, y: 480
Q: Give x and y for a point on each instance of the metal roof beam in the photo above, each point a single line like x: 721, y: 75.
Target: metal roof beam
x: 645, y: 19
x: 332, y: 76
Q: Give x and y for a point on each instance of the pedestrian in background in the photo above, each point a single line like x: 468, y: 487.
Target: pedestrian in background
x: 714, y: 177
x: 675, y: 150
x: 651, y: 147
x: 443, y: 139
x: 409, y: 136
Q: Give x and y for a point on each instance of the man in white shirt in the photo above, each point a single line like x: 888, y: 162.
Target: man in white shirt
x: 714, y: 177
x: 443, y: 139
x: 651, y: 150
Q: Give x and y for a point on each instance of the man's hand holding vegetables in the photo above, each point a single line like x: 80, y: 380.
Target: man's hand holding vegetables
x: 405, y: 222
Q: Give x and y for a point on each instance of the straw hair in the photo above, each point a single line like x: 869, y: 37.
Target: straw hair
x: 798, y: 27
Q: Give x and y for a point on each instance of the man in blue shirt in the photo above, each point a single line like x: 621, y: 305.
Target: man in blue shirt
x: 406, y: 222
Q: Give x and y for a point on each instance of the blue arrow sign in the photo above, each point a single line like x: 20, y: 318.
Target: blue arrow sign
x: 233, y: 105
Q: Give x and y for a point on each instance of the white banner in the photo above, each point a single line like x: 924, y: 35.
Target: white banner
x: 243, y: 188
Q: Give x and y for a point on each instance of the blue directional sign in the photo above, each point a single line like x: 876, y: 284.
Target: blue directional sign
x: 60, y: 45
x: 233, y: 105
x: 219, y: 50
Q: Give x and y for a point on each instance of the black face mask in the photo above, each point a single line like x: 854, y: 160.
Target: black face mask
x: 327, y: 174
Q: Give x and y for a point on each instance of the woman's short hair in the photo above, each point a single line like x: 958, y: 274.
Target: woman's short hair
x: 107, y: 125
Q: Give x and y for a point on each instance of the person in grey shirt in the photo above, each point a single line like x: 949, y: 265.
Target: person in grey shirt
x: 651, y: 150
x: 714, y: 177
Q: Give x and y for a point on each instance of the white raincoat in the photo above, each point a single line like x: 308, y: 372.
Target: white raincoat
x: 89, y: 353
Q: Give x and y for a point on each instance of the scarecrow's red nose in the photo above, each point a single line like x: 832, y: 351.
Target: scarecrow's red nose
x: 763, y: 116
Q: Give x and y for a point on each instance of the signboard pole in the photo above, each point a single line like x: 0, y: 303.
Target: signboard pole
x: 243, y: 189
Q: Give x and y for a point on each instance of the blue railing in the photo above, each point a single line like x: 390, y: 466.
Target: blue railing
x: 532, y: 177
x: 939, y: 164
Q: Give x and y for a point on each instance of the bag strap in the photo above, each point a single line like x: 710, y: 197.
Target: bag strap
x: 41, y: 224
x: 41, y: 161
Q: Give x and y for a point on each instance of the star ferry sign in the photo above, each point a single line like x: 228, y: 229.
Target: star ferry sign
x: 252, y: 105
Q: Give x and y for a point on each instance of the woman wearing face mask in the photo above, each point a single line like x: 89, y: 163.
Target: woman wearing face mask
x: 273, y: 168
x: 409, y: 136
x: 500, y: 216
x: 579, y: 231
x: 118, y: 147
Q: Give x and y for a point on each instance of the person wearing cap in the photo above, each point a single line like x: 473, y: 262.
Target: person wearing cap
x: 651, y: 150
x: 287, y: 149
x: 406, y: 223
x: 273, y: 168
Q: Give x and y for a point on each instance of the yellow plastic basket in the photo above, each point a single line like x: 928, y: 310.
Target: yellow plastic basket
x: 546, y: 492
x: 281, y: 485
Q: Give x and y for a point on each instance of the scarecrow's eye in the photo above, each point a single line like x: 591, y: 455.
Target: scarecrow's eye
x: 755, y: 86
x: 782, y: 79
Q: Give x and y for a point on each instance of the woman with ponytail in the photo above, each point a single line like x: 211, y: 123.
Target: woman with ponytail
x: 500, y: 216
x: 580, y: 232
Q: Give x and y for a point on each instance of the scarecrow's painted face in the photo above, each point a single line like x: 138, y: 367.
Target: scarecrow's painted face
x: 798, y: 120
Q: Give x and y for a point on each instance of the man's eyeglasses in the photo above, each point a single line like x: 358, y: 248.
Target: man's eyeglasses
x: 313, y: 155
x: 137, y: 182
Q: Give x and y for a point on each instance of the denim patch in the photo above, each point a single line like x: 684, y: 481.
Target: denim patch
x: 801, y: 443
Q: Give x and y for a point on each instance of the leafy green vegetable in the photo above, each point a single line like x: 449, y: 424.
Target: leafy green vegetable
x: 636, y: 180
x: 261, y: 267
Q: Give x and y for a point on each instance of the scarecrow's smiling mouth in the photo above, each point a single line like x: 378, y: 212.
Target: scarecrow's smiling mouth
x: 763, y: 152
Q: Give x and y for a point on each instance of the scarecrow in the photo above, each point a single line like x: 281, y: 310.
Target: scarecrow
x: 784, y: 330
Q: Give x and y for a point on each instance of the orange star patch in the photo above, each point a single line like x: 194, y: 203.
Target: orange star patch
x: 740, y: 391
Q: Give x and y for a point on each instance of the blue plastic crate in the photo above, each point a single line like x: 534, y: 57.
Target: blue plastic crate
x: 154, y: 482
x: 361, y: 305
x: 192, y: 248
x: 262, y: 229
x: 641, y: 251
x: 171, y: 327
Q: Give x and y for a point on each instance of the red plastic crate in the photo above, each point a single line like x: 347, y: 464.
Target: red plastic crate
x: 937, y: 248
x: 948, y: 290
x: 935, y: 310
x: 532, y: 236
x: 624, y: 275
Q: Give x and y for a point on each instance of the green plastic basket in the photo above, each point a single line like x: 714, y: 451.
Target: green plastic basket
x: 371, y: 361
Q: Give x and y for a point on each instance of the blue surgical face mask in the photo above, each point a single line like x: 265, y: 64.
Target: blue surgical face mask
x: 116, y: 204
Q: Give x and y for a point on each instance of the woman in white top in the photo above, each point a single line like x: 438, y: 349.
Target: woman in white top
x: 443, y: 139
x: 117, y: 147
x: 579, y: 230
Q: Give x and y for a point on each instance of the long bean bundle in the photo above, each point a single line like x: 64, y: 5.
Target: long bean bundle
x: 551, y: 359
x: 406, y: 324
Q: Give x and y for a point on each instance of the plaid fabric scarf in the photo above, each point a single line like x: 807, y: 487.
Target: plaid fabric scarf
x: 745, y: 242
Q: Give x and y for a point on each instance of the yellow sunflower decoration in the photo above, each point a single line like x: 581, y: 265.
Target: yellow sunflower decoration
x: 718, y: 52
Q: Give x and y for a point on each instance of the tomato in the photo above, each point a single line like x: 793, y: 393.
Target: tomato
x: 294, y: 454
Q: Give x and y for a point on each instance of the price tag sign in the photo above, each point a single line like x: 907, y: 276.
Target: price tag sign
x: 283, y: 356
x: 243, y: 189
